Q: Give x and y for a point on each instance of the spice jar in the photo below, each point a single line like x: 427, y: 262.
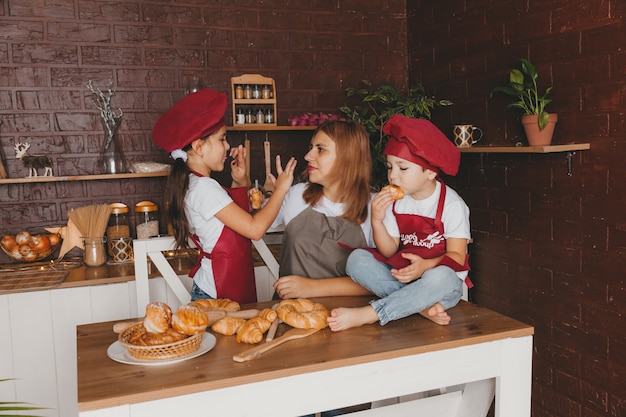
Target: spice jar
x: 260, y: 117
x: 146, y: 219
x: 266, y: 92
x: 241, y: 118
x: 256, y: 93
x: 247, y: 92
x: 94, y: 252
x: 238, y: 91
x: 269, y: 116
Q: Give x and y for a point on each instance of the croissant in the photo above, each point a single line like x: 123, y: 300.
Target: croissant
x: 227, y: 326
x: 396, y: 192
x: 303, y: 313
x: 222, y: 304
x: 152, y: 339
x: 252, y: 330
x: 268, y: 313
x: 189, y: 320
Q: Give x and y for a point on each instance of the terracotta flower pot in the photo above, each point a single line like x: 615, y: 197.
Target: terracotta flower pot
x: 535, y: 136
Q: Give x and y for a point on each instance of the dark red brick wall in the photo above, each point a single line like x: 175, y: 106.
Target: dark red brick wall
x: 48, y: 52
x: 549, y: 249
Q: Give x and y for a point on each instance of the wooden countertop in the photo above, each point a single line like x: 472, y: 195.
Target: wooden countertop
x: 111, y: 272
x: 103, y: 382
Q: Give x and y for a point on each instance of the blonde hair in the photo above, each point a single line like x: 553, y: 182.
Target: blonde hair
x: 352, y: 169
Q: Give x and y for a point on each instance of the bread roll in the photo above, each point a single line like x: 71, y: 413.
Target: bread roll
x: 227, y: 326
x: 252, y: 330
x: 189, y: 320
x: 158, y: 317
x: 268, y: 314
x: 221, y: 304
x: 303, y: 313
x: 256, y: 198
x: 396, y: 192
x: 153, y: 339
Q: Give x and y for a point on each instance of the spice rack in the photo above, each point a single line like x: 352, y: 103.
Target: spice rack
x: 254, y: 100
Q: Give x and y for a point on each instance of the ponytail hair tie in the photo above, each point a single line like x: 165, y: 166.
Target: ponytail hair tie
x: 179, y: 154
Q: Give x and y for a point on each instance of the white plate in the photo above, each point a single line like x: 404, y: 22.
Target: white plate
x: 120, y: 354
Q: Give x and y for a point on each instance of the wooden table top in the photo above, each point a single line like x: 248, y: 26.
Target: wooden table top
x: 103, y: 382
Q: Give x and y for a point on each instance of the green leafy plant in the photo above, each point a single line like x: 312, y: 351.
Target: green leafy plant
x: 523, y: 86
x: 7, y: 408
x: 376, y: 106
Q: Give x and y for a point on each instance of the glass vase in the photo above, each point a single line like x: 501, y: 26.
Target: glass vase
x: 111, y: 160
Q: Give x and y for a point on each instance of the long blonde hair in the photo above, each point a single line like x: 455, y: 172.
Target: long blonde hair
x: 352, y: 169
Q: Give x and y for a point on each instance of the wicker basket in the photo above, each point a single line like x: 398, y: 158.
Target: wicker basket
x: 159, y: 352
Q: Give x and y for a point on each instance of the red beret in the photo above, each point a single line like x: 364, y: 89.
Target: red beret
x: 195, y: 116
x: 421, y: 142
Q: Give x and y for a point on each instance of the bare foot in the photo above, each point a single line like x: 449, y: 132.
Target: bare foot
x: 343, y: 318
x: 436, y: 314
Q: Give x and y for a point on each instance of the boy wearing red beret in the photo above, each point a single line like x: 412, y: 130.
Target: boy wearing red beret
x: 215, y: 218
x: 420, y: 260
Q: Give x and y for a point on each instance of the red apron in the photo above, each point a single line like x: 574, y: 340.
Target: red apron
x: 423, y: 236
x: 233, y: 268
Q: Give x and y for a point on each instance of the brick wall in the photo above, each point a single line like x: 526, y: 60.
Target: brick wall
x: 49, y: 50
x: 549, y: 248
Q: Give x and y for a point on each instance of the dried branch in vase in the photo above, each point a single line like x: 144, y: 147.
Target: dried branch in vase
x: 102, y: 101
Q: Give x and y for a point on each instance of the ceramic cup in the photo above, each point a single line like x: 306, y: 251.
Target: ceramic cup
x: 464, y: 135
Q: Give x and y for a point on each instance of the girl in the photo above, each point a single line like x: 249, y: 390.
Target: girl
x: 216, y: 219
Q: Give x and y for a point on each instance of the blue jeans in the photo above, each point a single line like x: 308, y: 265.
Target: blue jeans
x: 197, y: 293
x: 397, y: 300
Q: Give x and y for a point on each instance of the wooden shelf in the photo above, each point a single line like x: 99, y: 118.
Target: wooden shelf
x: 526, y: 149
x: 100, y: 177
x: 260, y: 126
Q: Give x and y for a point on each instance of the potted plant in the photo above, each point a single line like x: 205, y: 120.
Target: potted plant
x: 376, y: 106
x: 538, y: 123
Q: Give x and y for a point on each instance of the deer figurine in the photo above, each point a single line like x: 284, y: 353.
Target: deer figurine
x: 33, y: 162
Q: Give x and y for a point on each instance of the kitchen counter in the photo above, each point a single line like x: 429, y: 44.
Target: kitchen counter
x: 323, y: 371
x: 112, y: 272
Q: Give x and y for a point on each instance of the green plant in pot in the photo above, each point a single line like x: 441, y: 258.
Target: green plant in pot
x: 376, y: 106
x: 538, y: 123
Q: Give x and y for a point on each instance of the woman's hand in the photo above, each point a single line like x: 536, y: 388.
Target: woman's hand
x: 238, y: 167
x: 294, y: 286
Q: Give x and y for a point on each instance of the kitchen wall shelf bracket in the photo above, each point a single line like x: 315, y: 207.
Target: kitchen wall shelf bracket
x: 569, y: 149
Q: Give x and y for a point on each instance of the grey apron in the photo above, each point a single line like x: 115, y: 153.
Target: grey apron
x: 311, y: 247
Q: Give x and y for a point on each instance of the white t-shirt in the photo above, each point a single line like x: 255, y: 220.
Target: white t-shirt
x: 204, y: 199
x: 455, y: 216
x: 294, y: 204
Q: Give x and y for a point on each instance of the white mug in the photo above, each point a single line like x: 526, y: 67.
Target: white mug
x: 464, y: 135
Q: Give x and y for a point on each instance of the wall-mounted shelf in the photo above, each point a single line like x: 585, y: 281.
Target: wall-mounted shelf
x: 265, y: 127
x: 129, y: 175
x: 570, y: 150
x: 526, y: 149
x: 251, y: 94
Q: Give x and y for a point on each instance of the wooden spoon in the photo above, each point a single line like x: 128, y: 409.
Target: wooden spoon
x: 268, y: 186
x: 214, y: 316
x: 256, y: 351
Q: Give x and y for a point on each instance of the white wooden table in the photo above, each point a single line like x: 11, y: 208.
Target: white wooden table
x: 481, y: 351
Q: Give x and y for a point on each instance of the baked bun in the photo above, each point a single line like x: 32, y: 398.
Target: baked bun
x: 153, y: 339
x: 268, y: 313
x: 303, y: 313
x: 252, y: 330
x: 221, y: 304
x: 227, y: 326
x: 158, y: 317
x: 189, y: 320
x: 396, y: 192
x: 256, y: 198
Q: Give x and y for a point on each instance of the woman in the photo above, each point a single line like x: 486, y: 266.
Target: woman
x: 328, y: 215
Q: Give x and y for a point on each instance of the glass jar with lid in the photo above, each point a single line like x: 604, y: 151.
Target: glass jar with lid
x: 146, y: 219
x: 118, y: 226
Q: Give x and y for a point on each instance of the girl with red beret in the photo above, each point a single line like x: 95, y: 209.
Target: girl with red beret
x: 326, y: 215
x: 216, y: 219
x: 421, y: 260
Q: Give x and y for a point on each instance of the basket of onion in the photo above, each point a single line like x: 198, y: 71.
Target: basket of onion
x: 30, y: 247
